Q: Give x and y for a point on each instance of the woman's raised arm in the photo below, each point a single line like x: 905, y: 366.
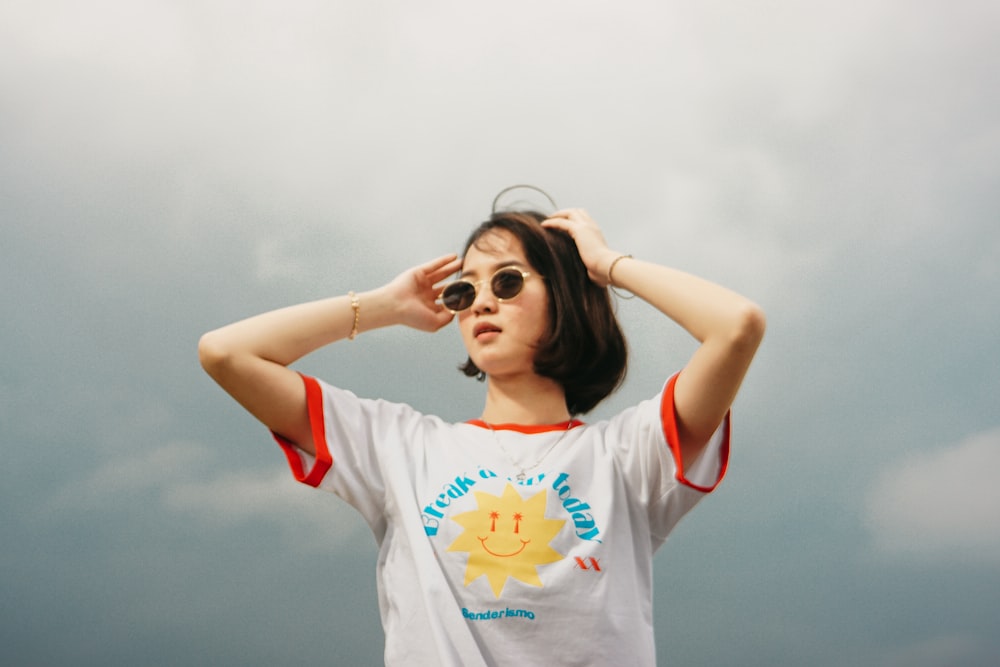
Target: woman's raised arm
x: 250, y: 358
x: 729, y: 327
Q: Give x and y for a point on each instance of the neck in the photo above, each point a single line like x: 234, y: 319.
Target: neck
x: 529, y: 400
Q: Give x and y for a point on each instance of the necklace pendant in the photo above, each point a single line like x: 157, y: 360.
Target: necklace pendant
x: 521, y: 476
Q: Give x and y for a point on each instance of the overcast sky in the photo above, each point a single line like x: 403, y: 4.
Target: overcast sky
x: 168, y: 167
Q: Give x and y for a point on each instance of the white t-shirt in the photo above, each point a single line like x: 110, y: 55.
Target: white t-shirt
x: 478, y: 568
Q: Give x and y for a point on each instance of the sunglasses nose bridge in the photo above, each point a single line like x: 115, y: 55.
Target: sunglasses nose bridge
x: 484, y: 295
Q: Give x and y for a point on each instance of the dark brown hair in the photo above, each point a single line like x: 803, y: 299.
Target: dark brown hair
x: 584, y: 349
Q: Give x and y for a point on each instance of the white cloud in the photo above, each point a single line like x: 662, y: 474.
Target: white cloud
x: 241, y: 496
x: 130, y: 475
x: 311, y: 520
x: 174, y: 474
x: 942, y: 505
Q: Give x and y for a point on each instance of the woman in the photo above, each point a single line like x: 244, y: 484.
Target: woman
x: 523, y: 536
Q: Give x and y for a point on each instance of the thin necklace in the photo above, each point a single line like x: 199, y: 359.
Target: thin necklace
x: 523, y: 474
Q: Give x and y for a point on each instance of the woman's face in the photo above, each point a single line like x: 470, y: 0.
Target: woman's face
x: 501, y: 336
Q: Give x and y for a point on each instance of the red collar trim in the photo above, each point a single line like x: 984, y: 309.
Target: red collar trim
x: 528, y: 428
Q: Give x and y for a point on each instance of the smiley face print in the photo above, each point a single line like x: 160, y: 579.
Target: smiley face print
x: 507, y: 536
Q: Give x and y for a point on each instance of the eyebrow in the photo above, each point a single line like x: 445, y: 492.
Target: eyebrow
x: 493, y: 268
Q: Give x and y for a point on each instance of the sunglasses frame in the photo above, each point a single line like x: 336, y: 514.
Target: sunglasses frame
x: 477, y: 283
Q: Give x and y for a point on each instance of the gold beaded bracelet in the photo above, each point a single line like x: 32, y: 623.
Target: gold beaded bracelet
x: 356, y: 306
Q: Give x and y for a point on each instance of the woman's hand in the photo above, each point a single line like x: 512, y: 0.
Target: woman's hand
x: 590, y: 243
x: 415, y: 292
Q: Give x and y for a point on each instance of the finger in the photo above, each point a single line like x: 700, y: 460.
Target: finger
x: 436, y: 264
x: 571, y: 213
x: 557, y: 223
x: 441, y: 319
x: 444, y: 270
x: 566, y: 213
x: 570, y: 220
x: 562, y: 224
x: 435, y: 269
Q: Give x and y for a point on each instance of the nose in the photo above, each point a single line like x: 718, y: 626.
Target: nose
x: 485, y: 301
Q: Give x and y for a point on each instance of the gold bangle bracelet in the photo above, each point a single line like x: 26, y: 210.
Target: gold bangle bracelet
x: 611, y: 283
x: 356, y: 307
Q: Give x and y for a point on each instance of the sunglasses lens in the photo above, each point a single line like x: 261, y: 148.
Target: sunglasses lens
x: 458, y: 295
x: 507, y: 283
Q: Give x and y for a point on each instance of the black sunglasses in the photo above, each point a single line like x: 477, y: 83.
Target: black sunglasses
x: 506, y: 283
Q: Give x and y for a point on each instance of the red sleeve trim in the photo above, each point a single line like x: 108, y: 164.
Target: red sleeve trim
x: 668, y: 418
x: 324, y: 461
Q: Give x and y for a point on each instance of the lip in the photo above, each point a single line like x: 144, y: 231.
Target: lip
x: 484, y: 328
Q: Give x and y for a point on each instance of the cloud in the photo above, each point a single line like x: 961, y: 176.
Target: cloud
x: 243, y: 496
x: 942, y: 505
x: 187, y: 479
x: 131, y: 475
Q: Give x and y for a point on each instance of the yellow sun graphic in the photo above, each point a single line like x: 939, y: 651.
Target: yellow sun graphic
x: 507, y: 536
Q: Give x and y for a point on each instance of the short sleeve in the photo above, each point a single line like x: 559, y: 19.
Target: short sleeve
x: 710, y: 467
x: 305, y: 468
x: 647, y: 446
x: 348, y: 433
